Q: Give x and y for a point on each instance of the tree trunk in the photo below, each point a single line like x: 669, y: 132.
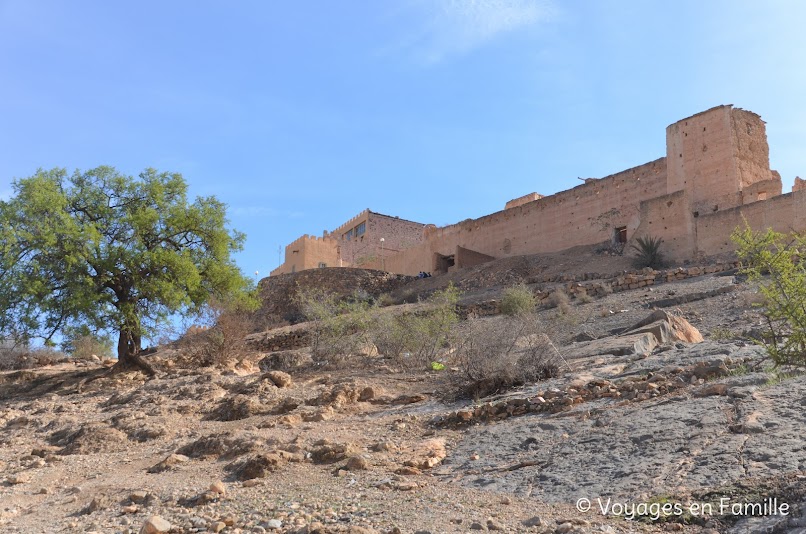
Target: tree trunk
x: 129, y: 346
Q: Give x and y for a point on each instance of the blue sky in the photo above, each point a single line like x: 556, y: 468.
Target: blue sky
x: 300, y: 114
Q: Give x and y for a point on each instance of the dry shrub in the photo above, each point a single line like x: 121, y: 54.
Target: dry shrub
x: 518, y: 299
x: 559, y: 299
x: 584, y: 298
x: 340, y: 327
x: 499, y: 353
x: 223, y: 343
x: 415, y: 340
x: 21, y: 357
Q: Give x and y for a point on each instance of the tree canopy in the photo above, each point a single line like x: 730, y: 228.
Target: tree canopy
x: 105, y: 252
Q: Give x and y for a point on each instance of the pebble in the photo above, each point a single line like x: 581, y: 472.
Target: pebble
x: 218, y: 487
x: 274, y: 524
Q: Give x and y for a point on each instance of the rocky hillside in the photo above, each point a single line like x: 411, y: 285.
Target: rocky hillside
x: 643, y: 414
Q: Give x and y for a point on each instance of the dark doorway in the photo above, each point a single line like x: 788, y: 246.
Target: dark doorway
x: 443, y: 263
x: 620, y: 235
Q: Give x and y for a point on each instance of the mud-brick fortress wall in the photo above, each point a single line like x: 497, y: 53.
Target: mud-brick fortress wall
x: 308, y: 252
x: 367, y: 250
x: 715, y: 175
x: 588, y: 213
x: 335, y: 249
x: 715, y: 172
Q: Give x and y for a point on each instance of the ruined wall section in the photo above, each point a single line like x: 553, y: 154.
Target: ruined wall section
x: 751, y: 151
x: 520, y: 201
x: 586, y: 214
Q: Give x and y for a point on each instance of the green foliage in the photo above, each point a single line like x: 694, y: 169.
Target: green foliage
x: 518, y: 299
x: 417, y: 339
x: 775, y: 262
x: 111, y: 253
x: 723, y: 334
x: 648, y: 252
x: 340, y: 326
x: 84, y: 347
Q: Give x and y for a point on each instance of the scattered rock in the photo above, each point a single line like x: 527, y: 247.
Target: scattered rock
x: 285, y: 360
x: 155, y: 525
x: 258, y: 466
x: 492, y: 524
x: 369, y: 393
x: 534, y: 521
x: 427, y: 454
x: 385, y: 446
x: 356, y: 463
x: 171, y: 462
x: 19, y: 478
x: 712, y: 389
x: 218, y: 487
x: 325, y: 451
x: 278, y: 378
x: 139, y: 496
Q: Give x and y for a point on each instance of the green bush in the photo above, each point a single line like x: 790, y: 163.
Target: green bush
x: 85, y: 347
x: 775, y: 262
x: 648, y: 252
x: 518, y: 299
x: 417, y: 339
x: 340, y: 327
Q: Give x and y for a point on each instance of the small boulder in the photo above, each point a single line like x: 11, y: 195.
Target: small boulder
x: 356, y: 463
x: 278, y: 378
x: 155, y: 525
x: 171, y: 462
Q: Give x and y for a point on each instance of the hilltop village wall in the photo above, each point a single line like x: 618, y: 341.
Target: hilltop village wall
x: 716, y: 173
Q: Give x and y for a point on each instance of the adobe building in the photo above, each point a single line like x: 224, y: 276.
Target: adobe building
x: 366, y: 239
x: 715, y: 175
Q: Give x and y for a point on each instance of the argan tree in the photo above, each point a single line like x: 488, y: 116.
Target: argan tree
x: 105, y: 252
x: 775, y: 261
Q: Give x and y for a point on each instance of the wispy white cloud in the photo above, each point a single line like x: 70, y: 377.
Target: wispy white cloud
x: 456, y: 27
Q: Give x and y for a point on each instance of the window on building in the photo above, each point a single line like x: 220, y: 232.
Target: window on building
x: 322, y: 265
x: 348, y: 236
x: 360, y: 229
